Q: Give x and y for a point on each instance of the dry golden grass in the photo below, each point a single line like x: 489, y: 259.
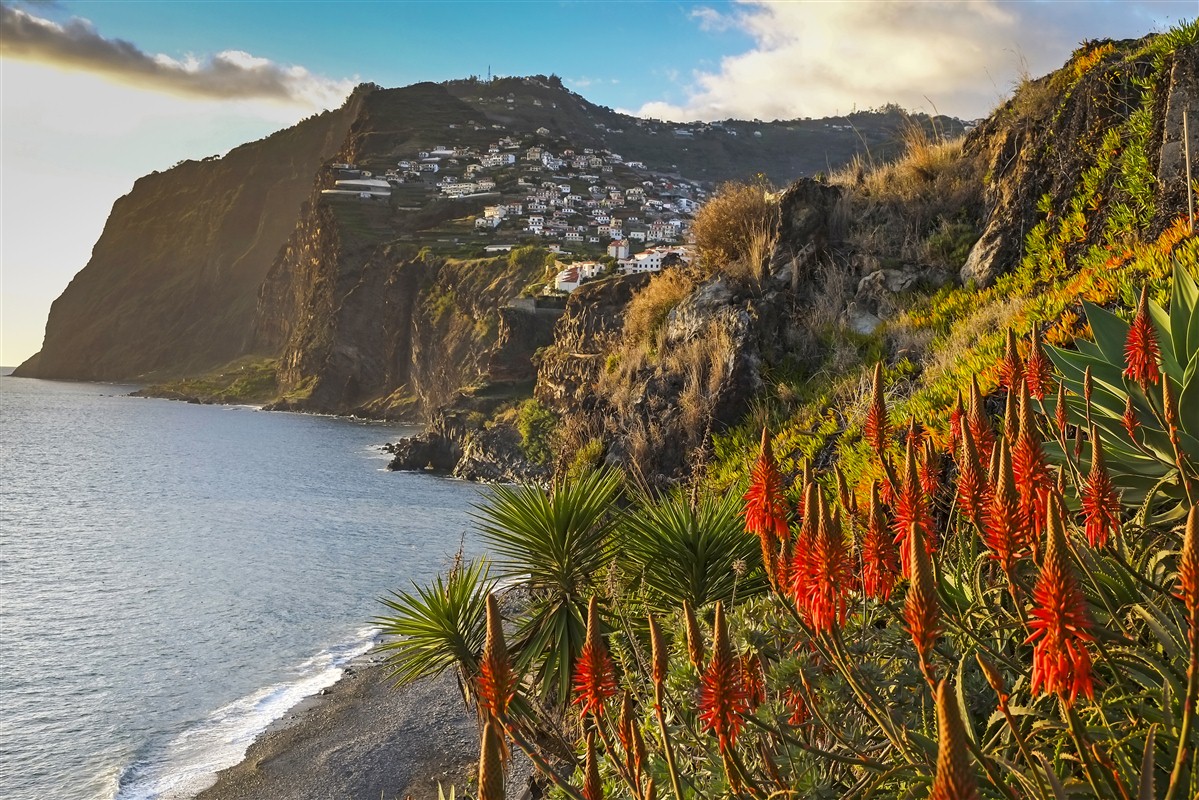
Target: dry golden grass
x: 734, y: 231
x: 895, y: 206
x: 646, y: 312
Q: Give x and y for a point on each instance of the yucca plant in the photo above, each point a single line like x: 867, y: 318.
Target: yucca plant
x: 438, y: 627
x: 1143, y: 397
x: 557, y: 541
x: 693, y: 551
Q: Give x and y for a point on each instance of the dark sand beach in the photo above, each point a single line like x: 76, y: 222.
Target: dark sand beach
x: 365, y: 739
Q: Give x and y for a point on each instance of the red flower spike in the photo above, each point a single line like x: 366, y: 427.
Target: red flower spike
x: 843, y: 495
x: 973, y: 491
x: 956, y: 419
x: 1036, y: 368
x: 954, y: 779
x: 916, y: 434
x: 766, y: 507
x: 659, y: 657
x: 805, y: 539
x: 1100, y: 506
x: 593, y: 787
x: 979, y: 422
x: 877, y: 429
x: 1059, y: 411
x: 753, y: 679
x: 829, y: 574
x: 594, y: 678
x: 1011, y: 416
x: 1003, y: 533
x: 793, y: 699
x: 624, y: 723
x: 922, y: 609
x: 930, y: 471
x: 1188, y: 570
x: 1131, y: 423
x: 911, y: 508
x: 1031, y: 470
x: 496, y: 683
x: 880, y: 559
x: 1011, y: 368
x: 722, y: 698
x: 1141, y: 350
x: 1060, y: 623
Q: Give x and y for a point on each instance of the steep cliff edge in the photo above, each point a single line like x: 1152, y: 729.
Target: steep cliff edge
x: 170, y: 288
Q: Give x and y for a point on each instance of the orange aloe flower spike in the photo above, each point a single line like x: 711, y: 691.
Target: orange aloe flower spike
x: 1141, y: 350
x: 1060, y: 622
x: 1100, y: 506
x: 877, y: 429
x: 722, y: 697
x: 594, y: 678
x: 496, y: 683
x: 954, y: 779
x: 922, y: 609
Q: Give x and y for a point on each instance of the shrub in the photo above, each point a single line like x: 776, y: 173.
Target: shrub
x: 735, y: 228
x: 535, y: 423
x: 646, y: 312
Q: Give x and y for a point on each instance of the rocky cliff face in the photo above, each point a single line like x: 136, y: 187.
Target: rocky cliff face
x: 1057, y: 140
x: 170, y: 286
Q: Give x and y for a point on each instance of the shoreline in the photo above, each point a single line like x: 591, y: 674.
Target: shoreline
x: 362, y: 738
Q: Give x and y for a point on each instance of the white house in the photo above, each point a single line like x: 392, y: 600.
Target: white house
x: 619, y: 249
x: 567, y: 280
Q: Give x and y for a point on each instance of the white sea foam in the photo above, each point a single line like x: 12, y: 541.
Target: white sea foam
x: 189, y: 762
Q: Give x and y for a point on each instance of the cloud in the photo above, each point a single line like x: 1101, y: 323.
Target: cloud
x: 232, y: 74
x: 712, y: 21
x: 819, y: 59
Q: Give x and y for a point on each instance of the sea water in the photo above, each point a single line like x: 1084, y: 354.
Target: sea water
x: 174, y: 577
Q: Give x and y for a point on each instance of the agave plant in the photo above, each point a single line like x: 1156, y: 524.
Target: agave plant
x: 698, y: 552
x: 1150, y: 430
x: 438, y: 627
x: 557, y: 542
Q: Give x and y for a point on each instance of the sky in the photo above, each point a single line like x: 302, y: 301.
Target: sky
x: 95, y: 94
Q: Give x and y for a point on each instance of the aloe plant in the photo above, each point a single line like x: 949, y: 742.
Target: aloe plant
x: 1153, y: 466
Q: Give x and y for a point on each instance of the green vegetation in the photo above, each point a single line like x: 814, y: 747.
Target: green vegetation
x: 536, y: 425
x: 918, y: 597
x: 740, y: 644
x: 247, y: 380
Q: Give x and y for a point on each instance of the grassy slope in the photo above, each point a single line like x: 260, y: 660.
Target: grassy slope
x: 1098, y: 245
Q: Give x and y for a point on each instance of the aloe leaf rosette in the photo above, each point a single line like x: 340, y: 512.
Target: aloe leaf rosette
x: 1154, y: 459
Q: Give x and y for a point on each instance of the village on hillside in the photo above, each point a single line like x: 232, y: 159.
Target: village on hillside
x: 583, y: 205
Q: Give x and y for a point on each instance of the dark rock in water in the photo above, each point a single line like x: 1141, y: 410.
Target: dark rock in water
x: 429, y: 450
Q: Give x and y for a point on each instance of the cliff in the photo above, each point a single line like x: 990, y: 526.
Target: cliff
x: 229, y: 257
x: 170, y: 288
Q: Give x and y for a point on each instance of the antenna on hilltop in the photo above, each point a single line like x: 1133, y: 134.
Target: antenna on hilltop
x: 489, y: 73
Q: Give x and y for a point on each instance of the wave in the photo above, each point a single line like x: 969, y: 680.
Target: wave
x: 188, y: 764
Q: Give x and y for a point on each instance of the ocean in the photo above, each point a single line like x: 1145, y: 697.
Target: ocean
x: 174, y: 577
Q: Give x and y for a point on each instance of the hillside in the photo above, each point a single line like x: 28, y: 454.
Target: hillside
x: 271, y: 260
x: 892, y: 491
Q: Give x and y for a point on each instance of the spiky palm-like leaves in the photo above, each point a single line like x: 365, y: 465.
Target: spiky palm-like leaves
x: 688, y: 551
x: 558, y: 540
x: 437, y: 627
